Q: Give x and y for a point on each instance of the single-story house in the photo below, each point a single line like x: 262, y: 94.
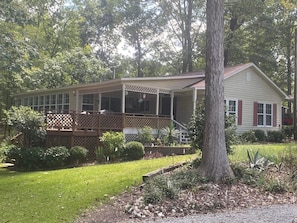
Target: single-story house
x: 128, y: 103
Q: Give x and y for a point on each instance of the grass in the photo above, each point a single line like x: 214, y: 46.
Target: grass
x: 61, y: 195
x: 266, y: 150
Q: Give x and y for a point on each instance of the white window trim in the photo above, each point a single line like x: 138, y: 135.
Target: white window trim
x: 265, y: 114
x: 236, y: 108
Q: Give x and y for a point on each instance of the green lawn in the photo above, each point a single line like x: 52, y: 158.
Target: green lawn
x: 267, y: 150
x: 61, y: 195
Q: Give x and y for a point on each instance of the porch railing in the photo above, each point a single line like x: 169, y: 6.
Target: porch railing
x: 75, y: 121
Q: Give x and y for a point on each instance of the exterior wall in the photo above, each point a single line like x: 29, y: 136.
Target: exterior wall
x: 184, y: 108
x: 250, y: 87
x: 72, y: 101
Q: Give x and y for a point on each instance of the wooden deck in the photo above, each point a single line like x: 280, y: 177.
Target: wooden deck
x: 76, y: 129
x: 74, y: 122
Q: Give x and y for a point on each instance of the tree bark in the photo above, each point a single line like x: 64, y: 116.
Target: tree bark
x: 214, y: 163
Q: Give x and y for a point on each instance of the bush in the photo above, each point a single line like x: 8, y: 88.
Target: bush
x: 26, y: 158
x: 275, y: 136
x: 28, y: 122
x: 133, y: 151
x: 145, y: 135
x: 4, y: 147
x: 56, y: 157
x: 78, y: 154
x: 170, y: 134
x: 158, y: 188
x: 288, y: 131
x: 248, y: 137
x: 112, y: 145
x: 260, y: 135
x: 196, y: 129
x: 167, y: 186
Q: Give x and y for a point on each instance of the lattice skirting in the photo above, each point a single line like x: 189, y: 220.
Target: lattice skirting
x: 89, y: 142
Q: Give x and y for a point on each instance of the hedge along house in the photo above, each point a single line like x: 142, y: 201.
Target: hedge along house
x: 78, y: 115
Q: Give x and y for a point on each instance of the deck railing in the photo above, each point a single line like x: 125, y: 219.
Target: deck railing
x: 112, y: 121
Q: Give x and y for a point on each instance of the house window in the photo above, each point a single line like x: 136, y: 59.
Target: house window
x: 234, y: 108
x: 264, y: 114
x: 231, y: 107
x: 88, y: 102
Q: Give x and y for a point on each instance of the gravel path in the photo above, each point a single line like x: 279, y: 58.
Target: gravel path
x: 271, y: 214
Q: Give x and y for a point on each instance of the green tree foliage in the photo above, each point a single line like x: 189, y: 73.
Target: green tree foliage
x: 46, y: 40
x: 72, y: 67
x: 28, y: 123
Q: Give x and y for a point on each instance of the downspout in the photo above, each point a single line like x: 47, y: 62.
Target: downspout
x: 123, y: 98
x: 171, y: 105
x: 99, y: 101
x: 157, y: 102
x: 194, y: 100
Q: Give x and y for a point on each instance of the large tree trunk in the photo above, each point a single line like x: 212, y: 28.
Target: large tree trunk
x: 215, y: 164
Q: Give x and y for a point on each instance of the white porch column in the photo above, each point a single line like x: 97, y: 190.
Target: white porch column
x: 99, y: 101
x: 77, y: 96
x: 157, y: 101
x: 171, y: 104
x: 194, y: 100
x: 123, y: 98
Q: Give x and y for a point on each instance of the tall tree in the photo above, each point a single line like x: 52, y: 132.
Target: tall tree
x: 141, y: 23
x: 185, y: 21
x: 214, y: 164
x: 77, y: 66
x: 17, y: 51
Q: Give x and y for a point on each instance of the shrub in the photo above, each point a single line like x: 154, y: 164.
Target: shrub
x: 112, y: 145
x: 26, y: 158
x: 133, y: 151
x: 56, y: 157
x: 158, y: 188
x: 257, y: 162
x: 145, y: 135
x: 260, y: 135
x: 288, y: 131
x: 247, y: 175
x: 78, y: 154
x: 275, y: 136
x: 289, y: 157
x: 100, y: 157
x: 170, y: 134
x: 28, y: 122
x: 4, y: 147
x: 196, y: 129
x: 248, y: 137
x: 167, y: 186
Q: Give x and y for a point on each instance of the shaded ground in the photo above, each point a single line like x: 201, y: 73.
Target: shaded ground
x: 204, y: 203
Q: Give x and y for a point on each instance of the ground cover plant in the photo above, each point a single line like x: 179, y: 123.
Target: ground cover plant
x: 264, y: 175
x: 61, y: 195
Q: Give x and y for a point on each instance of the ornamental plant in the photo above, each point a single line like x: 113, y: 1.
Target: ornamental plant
x: 197, y: 124
x: 28, y: 124
x: 133, y: 151
x: 112, y: 144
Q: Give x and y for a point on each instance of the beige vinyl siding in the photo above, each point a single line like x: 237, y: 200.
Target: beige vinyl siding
x: 184, y: 108
x: 250, y: 87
